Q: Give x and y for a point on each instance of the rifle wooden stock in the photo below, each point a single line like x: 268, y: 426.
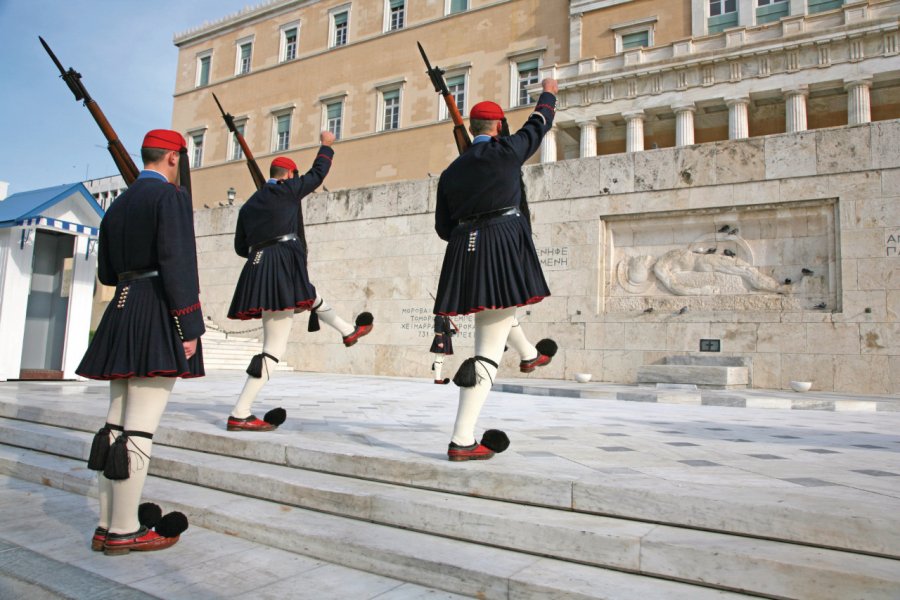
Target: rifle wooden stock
x: 436, y: 74
x: 120, y: 156
x: 255, y: 172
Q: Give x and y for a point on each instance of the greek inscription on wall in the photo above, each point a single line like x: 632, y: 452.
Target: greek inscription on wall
x: 554, y: 258
x: 419, y: 321
x: 892, y: 243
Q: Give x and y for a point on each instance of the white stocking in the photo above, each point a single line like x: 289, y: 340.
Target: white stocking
x: 276, y: 331
x: 144, y: 404
x: 518, y: 342
x: 437, y: 366
x: 118, y: 391
x: 329, y: 317
x: 491, y: 331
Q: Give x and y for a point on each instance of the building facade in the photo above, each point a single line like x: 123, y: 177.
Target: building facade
x: 634, y: 75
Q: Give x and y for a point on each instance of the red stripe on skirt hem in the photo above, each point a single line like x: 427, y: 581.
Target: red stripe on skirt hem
x: 256, y: 313
x: 533, y: 300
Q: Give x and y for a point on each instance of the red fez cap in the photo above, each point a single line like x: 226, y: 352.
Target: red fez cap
x: 164, y: 139
x: 487, y: 110
x: 285, y: 163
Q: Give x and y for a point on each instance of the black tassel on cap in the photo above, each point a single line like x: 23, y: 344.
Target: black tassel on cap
x: 313, y: 321
x: 116, y: 467
x: 364, y: 318
x: 547, y: 347
x: 496, y: 440
x: 276, y: 416
x: 171, y: 525
x: 99, y: 450
x: 149, y: 514
x: 465, y: 374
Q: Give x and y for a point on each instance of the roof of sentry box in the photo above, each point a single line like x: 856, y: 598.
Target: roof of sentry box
x: 31, y: 204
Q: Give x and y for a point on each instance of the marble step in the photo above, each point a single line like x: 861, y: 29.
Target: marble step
x: 829, y: 521
x: 715, y: 559
x: 700, y: 375
x: 437, y: 562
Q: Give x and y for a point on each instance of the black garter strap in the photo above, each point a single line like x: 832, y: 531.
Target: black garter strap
x: 485, y: 359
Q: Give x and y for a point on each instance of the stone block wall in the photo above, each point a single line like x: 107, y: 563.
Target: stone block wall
x: 825, y: 200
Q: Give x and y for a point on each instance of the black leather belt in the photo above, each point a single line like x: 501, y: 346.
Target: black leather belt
x: 503, y: 212
x: 143, y: 274
x: 284, y: 238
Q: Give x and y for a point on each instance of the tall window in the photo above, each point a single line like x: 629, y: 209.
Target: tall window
x: 638, y: 39
x: 528, y: 75
x: 237, y: 153
x: 768, y: 11
x: 391, y: 102
x: 282, y: 132
x: 204, y: 63
x: 455, y: 6
x: 339, y: 35
x: 196, y: 150
x: 721, y: 7
x: 334, y: 116
x: 457, y: 86
x: 289, y: 37
x: 397, y: 10
x: 243, y: 58
x: 722, y: 15
x: 814, y: 6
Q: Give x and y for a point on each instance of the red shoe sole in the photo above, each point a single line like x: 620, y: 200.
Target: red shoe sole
x: 458, y: 458
x: 354, y: 337
x: 158, y: 544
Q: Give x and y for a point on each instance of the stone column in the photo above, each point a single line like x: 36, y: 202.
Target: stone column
x: 738, y: 121
x: 634, y: 131
x: 548, y: 146
x: 684, y: 124
x: 575, y: 37
x: 795, y: 108
x: 588, y: 138
x: 859, y: 108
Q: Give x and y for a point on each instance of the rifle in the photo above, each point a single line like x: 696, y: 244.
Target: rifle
x: 440, y: 86
x: 255, y: 171
x: 120, y: 156
x: 463, y: 142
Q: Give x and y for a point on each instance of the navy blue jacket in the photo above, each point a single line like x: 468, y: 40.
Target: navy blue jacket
x: 274, y: 210
x: 487, y: 176
x: 151, y: 226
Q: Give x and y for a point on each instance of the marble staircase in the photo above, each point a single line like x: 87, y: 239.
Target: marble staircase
x: 480, y: 531
x: 223, y: 352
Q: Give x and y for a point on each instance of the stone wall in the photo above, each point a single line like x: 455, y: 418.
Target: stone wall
x: 634, y: 247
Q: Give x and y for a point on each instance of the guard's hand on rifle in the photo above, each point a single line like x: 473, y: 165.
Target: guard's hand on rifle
x: 550, y: 85
x: 327, y: 138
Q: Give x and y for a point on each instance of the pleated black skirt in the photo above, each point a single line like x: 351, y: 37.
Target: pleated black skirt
x: 446, y: 340
x: 274, y: 278
x: 137, y: 338
x: 488, y: 266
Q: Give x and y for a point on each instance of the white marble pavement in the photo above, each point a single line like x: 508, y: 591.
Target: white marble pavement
x: 827, y: 478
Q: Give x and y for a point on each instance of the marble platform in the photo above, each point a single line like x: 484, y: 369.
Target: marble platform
x: 595, y: 498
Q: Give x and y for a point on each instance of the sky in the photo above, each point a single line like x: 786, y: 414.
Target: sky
x: 124, y: 52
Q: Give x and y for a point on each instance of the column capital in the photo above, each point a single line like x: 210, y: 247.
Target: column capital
x: 633, y: 114
x: 591, y: 121
x: 684, y: 107
x: 795, y: 90
x: 737, y: 100
x: 857, y: 82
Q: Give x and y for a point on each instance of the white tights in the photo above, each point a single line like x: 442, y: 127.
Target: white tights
x: 437, y: 365
x: 492, y: 328
x: 276, y: 332
x: 136, y: 404
x: 518, y: 342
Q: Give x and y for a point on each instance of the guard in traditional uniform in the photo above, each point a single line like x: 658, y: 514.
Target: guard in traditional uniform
x: 490, y: 266
x: 441, y: 346
x: 274, y: 283
x: 148, y: 337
